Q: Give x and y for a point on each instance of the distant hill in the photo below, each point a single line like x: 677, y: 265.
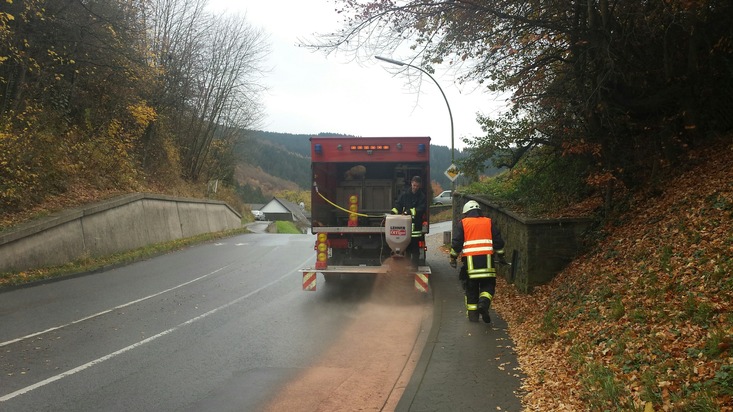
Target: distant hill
x: 286, y: 157
x: 276, y: 155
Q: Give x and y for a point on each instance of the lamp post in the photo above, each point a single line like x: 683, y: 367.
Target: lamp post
x: 450, y: 114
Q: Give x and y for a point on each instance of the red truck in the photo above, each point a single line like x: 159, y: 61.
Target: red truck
x: 356, y: 181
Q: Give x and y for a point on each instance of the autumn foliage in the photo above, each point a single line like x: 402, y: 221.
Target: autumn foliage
x: 644, y: 319
x: 107, y: 96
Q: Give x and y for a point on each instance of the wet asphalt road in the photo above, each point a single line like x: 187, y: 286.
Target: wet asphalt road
x: 167, y: 333
x: 224, y: 326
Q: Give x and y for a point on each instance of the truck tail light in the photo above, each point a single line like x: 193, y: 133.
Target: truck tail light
x: 353, y: 209
x: 322, y: 251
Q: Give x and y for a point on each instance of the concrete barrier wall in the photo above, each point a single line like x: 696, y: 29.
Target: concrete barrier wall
x: 193, y: 219
x: 543, y: 246
x: 112, y: 226
x: 162, y: 220
x: 221, y: 219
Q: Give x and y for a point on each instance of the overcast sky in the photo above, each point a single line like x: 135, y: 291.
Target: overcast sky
x: 309, y: 92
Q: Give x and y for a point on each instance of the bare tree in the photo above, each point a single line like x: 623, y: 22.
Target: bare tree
x: 211, y: 67
x: 226, y: 88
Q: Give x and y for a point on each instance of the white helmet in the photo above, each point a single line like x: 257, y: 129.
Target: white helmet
x: 470, y: 205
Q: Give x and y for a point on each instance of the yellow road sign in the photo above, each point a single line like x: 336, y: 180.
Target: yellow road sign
x: 452, y: 172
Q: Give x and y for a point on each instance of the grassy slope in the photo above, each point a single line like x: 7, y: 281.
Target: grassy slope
x: 645, y: 319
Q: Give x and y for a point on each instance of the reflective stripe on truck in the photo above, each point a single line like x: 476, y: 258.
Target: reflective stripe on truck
x: 421, y: 275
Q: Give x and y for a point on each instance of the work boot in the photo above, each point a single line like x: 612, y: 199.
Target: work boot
x: 472, y: 316
x: 483, y: 309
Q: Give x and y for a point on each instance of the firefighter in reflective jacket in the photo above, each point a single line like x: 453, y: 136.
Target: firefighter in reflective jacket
x: 479, y: 243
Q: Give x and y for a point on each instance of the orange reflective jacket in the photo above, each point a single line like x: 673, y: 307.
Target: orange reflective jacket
x: 477, y: 236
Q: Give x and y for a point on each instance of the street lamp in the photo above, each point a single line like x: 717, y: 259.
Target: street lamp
x: 450, y: 114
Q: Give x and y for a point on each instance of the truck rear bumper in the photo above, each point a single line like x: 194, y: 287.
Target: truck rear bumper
x: 367, y: 269
x: 421, y: 274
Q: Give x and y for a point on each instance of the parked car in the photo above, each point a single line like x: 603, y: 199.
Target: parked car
x: 259, y: 215
x: 444, y: 198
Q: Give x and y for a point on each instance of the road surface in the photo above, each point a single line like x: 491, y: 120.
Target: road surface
x: 219, y: 326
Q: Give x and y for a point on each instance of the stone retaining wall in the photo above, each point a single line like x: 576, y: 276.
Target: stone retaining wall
x: 538, y: 248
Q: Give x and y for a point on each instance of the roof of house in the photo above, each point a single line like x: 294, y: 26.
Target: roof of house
x: 280, y: 205
x: 294, y: 209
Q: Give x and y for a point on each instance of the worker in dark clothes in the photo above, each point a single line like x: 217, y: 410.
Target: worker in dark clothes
x: 414, y: 203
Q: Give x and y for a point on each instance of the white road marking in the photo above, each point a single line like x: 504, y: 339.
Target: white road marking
x: 109, y: 310
x: 144, y: 341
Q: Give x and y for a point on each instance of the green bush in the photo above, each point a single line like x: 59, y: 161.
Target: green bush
x: 540, y: 184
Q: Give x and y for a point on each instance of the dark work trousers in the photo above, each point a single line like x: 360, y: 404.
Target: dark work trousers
x: 475, y: 286
x: 413, y: 251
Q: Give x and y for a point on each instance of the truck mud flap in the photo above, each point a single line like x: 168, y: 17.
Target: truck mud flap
x: 310, y: 276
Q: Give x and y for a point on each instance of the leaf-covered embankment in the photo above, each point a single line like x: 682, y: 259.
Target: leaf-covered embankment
x: 646, y: 317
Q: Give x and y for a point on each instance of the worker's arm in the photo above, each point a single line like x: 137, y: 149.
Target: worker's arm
x: 497, y: 240
x: 456, y: 244
x: 421, y: 206
x: 398, y: 204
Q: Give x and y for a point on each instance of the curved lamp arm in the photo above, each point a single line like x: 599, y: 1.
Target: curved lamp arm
x: 450, y: 114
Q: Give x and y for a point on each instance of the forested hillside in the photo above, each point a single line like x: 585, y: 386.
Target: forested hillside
x: 289, y: 162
